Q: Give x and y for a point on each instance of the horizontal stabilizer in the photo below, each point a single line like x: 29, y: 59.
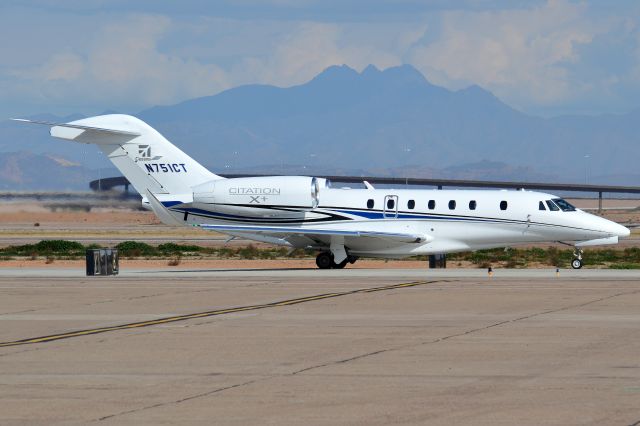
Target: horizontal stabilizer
x: 80, y: 127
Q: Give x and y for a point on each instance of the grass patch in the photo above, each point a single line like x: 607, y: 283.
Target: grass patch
x: 136, y: 249
x: 248, y: 252
x: 613, y: 258
x: 45, y: 248
x: 624, y: 265
x: 178, y: 248
x: 517, y: 258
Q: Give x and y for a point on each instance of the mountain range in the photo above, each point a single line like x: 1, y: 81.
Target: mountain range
x: 387, y: 122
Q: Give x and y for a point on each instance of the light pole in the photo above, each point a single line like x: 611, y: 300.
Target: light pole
x: 586, y: 168
x: 312, y: 163
x: 407, y: 151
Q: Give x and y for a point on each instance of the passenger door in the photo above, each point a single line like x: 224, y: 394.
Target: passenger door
x: 390, y: 208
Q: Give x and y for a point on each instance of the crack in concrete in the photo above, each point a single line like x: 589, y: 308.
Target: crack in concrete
x: 373, y: 353
x: 465, y: 333
x: 178, y: 401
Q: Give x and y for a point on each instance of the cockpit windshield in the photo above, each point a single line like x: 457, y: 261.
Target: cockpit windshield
x: 564, y: 205
x: 552, y: 206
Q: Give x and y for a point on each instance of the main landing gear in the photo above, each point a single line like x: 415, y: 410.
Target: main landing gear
x: 324, y: 260
x: 576, y: 263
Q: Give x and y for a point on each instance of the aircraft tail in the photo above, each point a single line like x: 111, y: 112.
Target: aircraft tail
x: 148, y: 160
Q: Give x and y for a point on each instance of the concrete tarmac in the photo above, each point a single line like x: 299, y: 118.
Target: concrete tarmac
x: 321, y: 347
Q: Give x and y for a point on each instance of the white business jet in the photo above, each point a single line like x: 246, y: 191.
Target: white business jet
x: 342, y: 224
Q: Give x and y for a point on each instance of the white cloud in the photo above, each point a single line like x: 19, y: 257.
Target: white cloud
x: 531, y: 56
x: 60, y: 66
x: 519, y: 54
x: 310, y: 47
x: 124, y: 66
x: 300, y: 54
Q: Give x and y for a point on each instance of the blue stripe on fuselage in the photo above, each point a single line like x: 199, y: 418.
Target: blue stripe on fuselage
x: 380, y: 215
x: 168, y: 204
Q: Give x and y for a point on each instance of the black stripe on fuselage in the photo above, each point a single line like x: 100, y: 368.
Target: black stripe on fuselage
x: 330, y: 215
x: 339, y: 216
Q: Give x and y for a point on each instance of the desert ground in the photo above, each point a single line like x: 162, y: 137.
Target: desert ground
x: 33, y: 221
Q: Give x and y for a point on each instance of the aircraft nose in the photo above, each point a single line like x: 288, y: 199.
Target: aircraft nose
x: 616, y: 229
x: 622, y: 231
x: 608, y: 227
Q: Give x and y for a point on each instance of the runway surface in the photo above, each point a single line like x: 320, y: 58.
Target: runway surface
x: 319, y: 347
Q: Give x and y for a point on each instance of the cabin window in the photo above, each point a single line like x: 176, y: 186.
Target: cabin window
x: 552, y: 206
x: 564, y: 205
x: 452, y: 204
x: 472, y: 205
x: 541, y: 206
x: 391, y: 204
x: 370, y: 204
x: 411, y: 204
x: 503, y: 205
x: 432, y: 204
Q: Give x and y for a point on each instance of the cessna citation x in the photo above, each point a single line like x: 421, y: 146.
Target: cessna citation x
x: 342, y: 224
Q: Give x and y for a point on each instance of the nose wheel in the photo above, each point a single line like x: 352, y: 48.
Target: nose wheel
x: 576, y: 263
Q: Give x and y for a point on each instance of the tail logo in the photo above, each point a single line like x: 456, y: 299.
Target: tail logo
x: 144, y: 153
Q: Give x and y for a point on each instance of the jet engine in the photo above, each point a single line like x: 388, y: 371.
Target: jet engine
x: 272, y: 196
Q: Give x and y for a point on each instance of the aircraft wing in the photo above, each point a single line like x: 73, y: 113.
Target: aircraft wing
x: 281, y: 231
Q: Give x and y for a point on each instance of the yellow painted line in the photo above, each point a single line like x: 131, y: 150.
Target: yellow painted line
x: 288, y: 302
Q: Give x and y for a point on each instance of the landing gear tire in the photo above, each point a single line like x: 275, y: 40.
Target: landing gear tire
x: 340, y: 265
x: 324, y: 260
x: 576, y: 263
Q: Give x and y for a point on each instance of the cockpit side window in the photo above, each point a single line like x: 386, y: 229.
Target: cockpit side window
x: 541, y: 206
x: 564, y: 205
x: 552, y: 206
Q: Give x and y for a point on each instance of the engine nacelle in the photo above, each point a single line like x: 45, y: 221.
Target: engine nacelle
x: 259, y: 196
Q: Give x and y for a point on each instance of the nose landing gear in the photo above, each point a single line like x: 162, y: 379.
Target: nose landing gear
x: 576, y: 263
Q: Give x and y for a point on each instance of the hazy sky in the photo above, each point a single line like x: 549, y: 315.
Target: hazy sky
x: 88, y: 56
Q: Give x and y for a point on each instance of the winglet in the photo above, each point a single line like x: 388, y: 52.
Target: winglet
x: 161, y: 211
x: 368, y: 185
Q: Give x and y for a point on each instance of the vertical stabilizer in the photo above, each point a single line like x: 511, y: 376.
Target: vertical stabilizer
x: 148, y: 160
